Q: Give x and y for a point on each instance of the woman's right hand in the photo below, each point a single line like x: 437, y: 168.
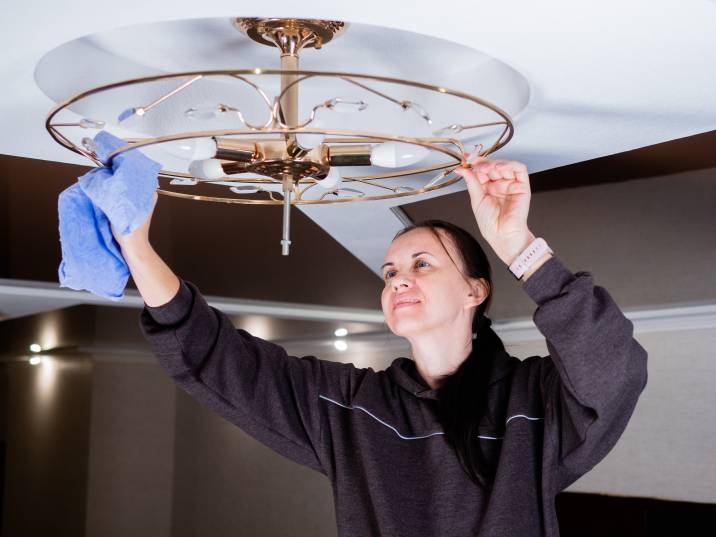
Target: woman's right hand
x: 140, y: 236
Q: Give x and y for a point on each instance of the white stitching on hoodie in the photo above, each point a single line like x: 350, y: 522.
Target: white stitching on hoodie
x: 418, y: 437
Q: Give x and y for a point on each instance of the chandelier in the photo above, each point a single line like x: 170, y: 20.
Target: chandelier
x: 246, y: 136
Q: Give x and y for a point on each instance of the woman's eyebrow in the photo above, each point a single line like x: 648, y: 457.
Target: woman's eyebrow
x: 416, y: 254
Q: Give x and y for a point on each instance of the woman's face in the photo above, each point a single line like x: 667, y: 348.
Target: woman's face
x: 423, y: 289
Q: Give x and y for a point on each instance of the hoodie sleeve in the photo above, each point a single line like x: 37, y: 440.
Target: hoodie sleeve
x: 594, y: 374
x: 250, y: 382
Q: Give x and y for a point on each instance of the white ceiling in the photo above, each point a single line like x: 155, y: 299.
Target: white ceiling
x: 603, y: 77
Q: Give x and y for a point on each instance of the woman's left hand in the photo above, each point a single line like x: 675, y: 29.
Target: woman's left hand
x: 500, y: 199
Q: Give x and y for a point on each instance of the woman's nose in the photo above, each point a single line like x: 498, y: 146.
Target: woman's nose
x: 399, y: 280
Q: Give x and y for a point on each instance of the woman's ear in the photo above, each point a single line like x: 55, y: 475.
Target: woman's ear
x: 480, y: 290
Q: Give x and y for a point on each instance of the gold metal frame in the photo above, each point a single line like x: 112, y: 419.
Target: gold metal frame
x: 346, y: 136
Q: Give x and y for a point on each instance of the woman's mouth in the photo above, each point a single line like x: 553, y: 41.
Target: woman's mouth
x: 406, y: 304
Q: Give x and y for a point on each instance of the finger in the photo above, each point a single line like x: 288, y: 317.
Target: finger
x: 513, y: 170
x: 465, y: 172
x: 475, y: 172
x: 521, y: 175
x: 485, y: 167
x: 473, y: 183
x: 483, y: 178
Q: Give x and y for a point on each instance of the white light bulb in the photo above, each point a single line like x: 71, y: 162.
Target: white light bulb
x: 191, y: 149
x: 340, y: 332
x: 332, y: 180
x: 396, y: 154
x: 35, y: 347
x: 207, y: 169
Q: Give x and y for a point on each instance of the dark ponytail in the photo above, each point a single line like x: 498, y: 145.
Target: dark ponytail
x: 463, y: 396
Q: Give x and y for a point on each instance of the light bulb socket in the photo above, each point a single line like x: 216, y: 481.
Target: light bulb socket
x: 349, y: 155
x: 237, y: 150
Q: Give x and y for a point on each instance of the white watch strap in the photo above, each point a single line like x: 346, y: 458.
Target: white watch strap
x: 529, y: 255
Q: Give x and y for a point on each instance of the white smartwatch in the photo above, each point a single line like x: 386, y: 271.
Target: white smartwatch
x: 529, y: 255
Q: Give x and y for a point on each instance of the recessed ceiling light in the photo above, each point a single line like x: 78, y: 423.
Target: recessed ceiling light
x: 35, y: 347
x: 340, y: 332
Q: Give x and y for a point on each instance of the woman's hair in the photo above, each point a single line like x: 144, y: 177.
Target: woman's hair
x: 463, y: 396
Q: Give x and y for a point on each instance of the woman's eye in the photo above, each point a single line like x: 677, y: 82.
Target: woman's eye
x: 389, y: 273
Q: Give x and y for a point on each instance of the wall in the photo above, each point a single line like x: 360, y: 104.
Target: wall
x: 131, y: 448
x: 46, y: 414
x: 228, y: 484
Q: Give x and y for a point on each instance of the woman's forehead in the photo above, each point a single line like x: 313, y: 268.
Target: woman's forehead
x: 413, y: 241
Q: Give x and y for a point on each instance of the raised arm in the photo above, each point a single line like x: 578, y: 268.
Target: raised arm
x: 594, y: 374
x: 248, y: 381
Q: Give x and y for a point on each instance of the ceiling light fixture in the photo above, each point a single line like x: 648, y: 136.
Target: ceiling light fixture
x: 247, y: 132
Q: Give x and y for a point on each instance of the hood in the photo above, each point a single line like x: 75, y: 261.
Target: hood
x: 405, y: 374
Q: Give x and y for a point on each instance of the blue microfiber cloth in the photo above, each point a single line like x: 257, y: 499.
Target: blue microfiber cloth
x: 120, y: 192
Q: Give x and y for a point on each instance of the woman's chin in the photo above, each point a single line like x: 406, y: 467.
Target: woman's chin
x: 407, y: 327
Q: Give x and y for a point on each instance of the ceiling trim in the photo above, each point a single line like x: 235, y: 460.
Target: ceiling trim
x: 230, y: 306
x: 523, y: 330
x: 688, y: 316
x: 515, y: 331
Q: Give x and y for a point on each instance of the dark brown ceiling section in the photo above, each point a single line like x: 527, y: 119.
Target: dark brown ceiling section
x: 235, y: 251
x: 226, y: 250
x: 681, y: 155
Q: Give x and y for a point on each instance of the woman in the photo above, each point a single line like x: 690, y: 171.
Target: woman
x: 462, y: 440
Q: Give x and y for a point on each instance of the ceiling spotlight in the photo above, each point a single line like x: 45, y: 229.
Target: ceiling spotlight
x: 35, y: 347
x: 340, y: 332
x: 340, y: 345
x: 35, y: 360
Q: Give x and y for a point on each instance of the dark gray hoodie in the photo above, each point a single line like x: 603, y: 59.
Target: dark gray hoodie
x: 375, y: 434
